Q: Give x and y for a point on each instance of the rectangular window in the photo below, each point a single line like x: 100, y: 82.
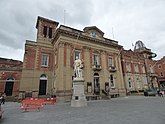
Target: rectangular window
x: 138, y: 83
x: 95, y: 59
x: 128, y: 67
x: 129, y: 83
x: 136, y: 68
x: 50, y: 32
x: 94, y: 34
x: 110, y: 63
x: 45, y: 60
x: 112, y: 82
x: 89, y: 87
x: 143, y: 69
x: 107, y: 86
x: 45, y: 31
x: 151, y: 69
x: 77, y: 54
x: 145, y: 80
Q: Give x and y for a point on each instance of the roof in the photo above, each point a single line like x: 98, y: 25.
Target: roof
x: 45, y: 19
x: 9, y: 60
x: 78, y: 33
x: 93, y: 28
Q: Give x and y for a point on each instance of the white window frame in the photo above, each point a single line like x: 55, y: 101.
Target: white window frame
x: 128, y: 67
x: 93, y: 34
x: 110, y: 61
x: 136, y: 68
x: 78, y: 52
x: 45, y: 61
x: 96, y: 59
x: 151, y: 69
x: 145, y: 80
x: 143, y: 69
x: 138, y: 83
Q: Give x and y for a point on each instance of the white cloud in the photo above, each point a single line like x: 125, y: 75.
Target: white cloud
x: 131, y: 20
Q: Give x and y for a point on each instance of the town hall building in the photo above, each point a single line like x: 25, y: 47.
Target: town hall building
x: 108, y: 69
x: 48, y: 61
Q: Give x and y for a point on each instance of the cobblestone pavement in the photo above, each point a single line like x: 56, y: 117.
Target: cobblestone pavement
x: 124, y: 110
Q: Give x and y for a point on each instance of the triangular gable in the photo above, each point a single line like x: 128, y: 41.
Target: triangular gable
x: 93, y: 28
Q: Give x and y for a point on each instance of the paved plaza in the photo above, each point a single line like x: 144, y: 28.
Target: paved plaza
x: 124, y: 110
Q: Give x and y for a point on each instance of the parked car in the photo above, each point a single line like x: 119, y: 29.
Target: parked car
x: 150, y: 92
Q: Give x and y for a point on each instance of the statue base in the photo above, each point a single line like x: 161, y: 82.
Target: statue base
x: 78, y: 97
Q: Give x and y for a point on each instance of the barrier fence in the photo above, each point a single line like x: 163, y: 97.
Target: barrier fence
x: 36, y: 103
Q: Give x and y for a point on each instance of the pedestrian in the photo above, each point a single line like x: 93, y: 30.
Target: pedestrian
x: 3, y: 98
x: 158, y: 92
x: 162, y: 93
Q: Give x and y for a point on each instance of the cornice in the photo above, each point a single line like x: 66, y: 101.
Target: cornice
x: 84, y: 37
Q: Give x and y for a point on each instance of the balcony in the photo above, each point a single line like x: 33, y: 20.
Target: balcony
x: 112, y: 69
x: 96, y: 67
x: 153, y: 75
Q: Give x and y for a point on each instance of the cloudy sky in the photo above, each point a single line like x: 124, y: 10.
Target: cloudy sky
x: 129, y: 20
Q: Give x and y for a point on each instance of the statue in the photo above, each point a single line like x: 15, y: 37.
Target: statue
x: 78, y: 67
x: 78, y: 96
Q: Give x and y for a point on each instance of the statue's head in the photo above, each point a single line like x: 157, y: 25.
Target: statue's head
x: 76, y: 57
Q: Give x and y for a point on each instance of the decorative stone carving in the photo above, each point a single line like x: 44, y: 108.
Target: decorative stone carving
x: 78, y: 68
x: 78, y: 97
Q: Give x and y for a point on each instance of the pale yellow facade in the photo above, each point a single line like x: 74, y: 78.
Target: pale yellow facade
x: 60, y: 51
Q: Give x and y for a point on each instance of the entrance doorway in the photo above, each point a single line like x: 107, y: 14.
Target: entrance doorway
x: 9, y: 86
x: 96, y: 84
x: 43, y: 84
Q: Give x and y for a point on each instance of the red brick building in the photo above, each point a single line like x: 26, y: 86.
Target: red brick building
x: 134, y: 71
x: 10, y: 76
x: 138, y: 68
x: 160, y: 70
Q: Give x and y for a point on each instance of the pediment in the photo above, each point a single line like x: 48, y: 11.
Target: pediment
x: 93, y: 31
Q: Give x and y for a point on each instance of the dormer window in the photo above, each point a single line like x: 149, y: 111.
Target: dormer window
x: 94, y: 34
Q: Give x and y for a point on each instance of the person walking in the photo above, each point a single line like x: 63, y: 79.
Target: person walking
x: 0, y: 99
x: 162, y: 93
x: 3, y: 99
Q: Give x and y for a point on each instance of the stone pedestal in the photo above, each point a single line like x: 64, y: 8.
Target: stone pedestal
x: 78, y: 97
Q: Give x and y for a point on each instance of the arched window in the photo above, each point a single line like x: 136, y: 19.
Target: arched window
x: 96, y: 84
x: 96, y: 75
x: 10, y: 79
x: 43, y: 77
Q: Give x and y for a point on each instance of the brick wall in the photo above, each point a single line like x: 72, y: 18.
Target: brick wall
x: 10, y: 69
